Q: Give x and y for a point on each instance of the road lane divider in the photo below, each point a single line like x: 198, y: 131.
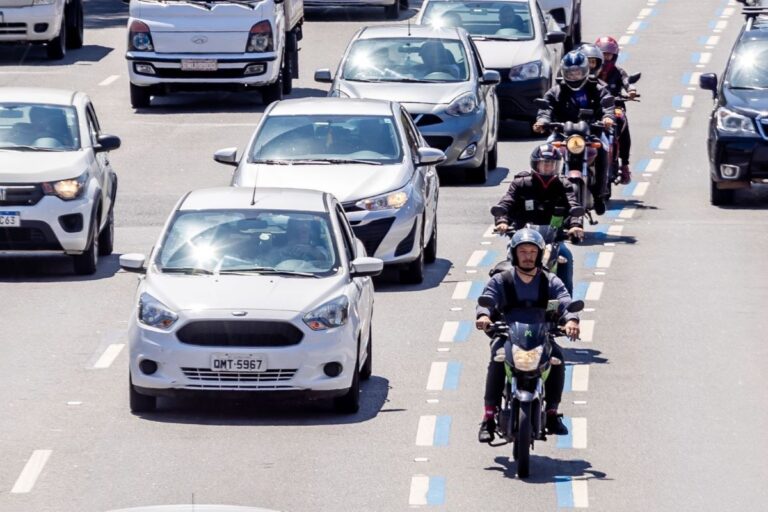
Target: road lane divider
x: 444, y: 376
x: 571, y: 492
x: 433, y: 431
x: 108, y: 356
x: 427, y: 490
x: 456, y: 332
x: 576, y: 378
x: 468, y: 290
x: 482, y: 258
x: 32, y: 469
x: 684, y: 102
x: 109, y: 80
x: 576, y: 438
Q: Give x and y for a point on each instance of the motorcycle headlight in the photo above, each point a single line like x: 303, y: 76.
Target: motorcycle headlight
x: 391, y: 201
x: 526, y: 360
x: 154, y: 313
x: 66, y: 190
x: 733, y: 123
x: 333, y: 313
x: 575, y: 144
x: 464, y: 104
x: 527, y: 71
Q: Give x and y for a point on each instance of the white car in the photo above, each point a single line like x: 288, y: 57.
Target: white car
x: 253, y: 291
x: 57, y: 187
x: 567, y: 13
x: 59, y: 23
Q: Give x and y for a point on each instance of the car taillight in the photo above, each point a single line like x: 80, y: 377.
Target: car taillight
x: 139, y: 38
x: 260, y: 38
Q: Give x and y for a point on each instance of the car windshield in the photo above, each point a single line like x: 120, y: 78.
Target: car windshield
x: 327, y: 138
x: 409, y: 59
x: 257, y: 241
x: 505, y: 20
x: 749, y: 67
x: 38, y: 127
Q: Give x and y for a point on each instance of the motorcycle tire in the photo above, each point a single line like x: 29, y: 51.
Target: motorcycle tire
x: 522, y: 446
x: 578, y: 191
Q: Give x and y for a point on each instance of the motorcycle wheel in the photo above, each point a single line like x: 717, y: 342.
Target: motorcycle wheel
x: 522, y: 446
x: 578, y: 190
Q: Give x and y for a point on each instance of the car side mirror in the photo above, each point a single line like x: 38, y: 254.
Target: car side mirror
x: 554, y: 37
x: 226, y: 156
x: 708, y: 81
x: 323, y: 76
x: 634, y: 78
x: 106, y: 143
x: 133, y: 262
x: 430, y: 156
x: 575, y: 306
x: 490, y: 77
x: 365, y: 266
x: 486, y: 301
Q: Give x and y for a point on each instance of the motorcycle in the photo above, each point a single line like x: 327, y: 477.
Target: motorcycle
x: 527, y: 357
x: 620, y: 113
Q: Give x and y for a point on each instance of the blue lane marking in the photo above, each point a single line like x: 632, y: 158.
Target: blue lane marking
x: 703, y: 39
x: 567, y: 440
x: 452, y: 375
x: 463, y: 332
x: 442, y: 430
x: 436, y: 493
x: 580, y: 291
x: 623, y: 57
x: 476, y: 290
x: 568, y: 378
x: 643, y: 25
x: 655, y: 142
x: 642, y: 165
x: 695, y: 58
x: 600, y: 232
x: 677, y: 101
x: 612, y: 213
x: 631, y: 40
x: 629, y: 189
x: 590, y: 260
x: 489, y: 259
x: 564, y: 489
x: 666, y: 123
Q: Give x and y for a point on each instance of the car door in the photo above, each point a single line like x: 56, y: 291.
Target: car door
x: 426, y: 175
x: 487, y: 94
x: 552, y: 53
x: 102, y: 169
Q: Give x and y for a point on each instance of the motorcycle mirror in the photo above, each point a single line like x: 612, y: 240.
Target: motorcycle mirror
x: 586, y: 112
x: 541, y: 103
x: 633, y: 79
x: 498, y: 211
x: 575, y: 306
x: 486, y: 301
x: 577, y: 211
x: 607, y: 103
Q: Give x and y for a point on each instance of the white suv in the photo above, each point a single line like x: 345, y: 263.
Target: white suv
x: 59, y: 23
x: 57, y: 188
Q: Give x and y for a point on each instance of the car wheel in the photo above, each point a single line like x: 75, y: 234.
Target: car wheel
x: 75, y: 25
x: 720, y: 197
x: 392, y: 12
x: 274, y: 92
x: 479, y: 174
x: 107, y: 236
x: 139, y: 402
x: 430, y: 251
x: 57, y: 48
x: 349, y: 403
x: 140, y: 96
x: 413, y: 272
x: 86, y: 263
x: 367, y: 370
x: 493, y: 157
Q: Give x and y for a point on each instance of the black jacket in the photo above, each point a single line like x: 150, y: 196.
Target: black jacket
x: 563, y: 107
x: 616, y: 81
x: 530, y: 200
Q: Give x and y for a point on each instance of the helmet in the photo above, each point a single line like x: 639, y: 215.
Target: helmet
x: 546, y: 152
x: 593, y: 52
x: 526, y: 236
x: 575, y: 69
x: 607, y: 44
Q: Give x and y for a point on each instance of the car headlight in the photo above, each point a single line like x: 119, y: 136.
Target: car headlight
x: 260, y: 38
x: 139, y: 37
x: 526, y: 360
x: 464, y: 104
x: 733, y: 123
x: 391, y: 201
x: 66, y: 189
x: 575, y: 144
x: 154, y: 313
x: 527, y: 71
x: 333, y: 313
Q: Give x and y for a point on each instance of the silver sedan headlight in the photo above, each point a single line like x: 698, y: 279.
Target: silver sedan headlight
x: 389, y: 201
x: 463, y: 105
x: 333, y: 313
x: 527, y: 71
x: 734, y: 124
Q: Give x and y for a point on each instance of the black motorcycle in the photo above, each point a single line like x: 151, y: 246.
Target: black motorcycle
x: 620, y: 113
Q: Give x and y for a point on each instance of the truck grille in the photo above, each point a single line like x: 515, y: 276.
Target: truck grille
x: 240, y: 333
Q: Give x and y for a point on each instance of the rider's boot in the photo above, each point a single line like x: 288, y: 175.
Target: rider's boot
x: 487, y: 426
x: 625, y: 174
x: 555, y: 423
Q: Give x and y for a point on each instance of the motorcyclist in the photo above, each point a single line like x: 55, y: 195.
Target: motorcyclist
x: 565, y: 104
x: 595, y: 58
x: 533, y: 196
x: 617, y: 81
x: 522, y: 294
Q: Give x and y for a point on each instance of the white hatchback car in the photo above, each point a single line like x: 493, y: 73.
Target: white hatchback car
x: 57, y: 187
x: 253, y: 291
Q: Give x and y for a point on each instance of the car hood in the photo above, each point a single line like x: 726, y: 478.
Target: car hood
x: 506, y: 54
x: 242, y: 293
x: 347, y: 182
x: 432, y: 94
x: 746, y: 101
x: 38, y: 166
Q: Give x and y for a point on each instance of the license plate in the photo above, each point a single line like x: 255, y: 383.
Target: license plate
x: 239, y: 363
x: 10, y: 220
x: 199, y: 65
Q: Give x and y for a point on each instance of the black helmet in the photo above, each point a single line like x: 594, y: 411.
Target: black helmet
x: 546, y: 152
x: 575, y: 69
x: 526, y: 236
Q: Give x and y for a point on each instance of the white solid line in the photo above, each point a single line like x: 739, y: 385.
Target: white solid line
x: 419, y: 490
x: 448, y: 331
x: 615, y: 231
x: 489, y: 232
x: 580, y: 381
x: 604, y: 260
x: 579, y: 433
x: 677, y: 123
x: 476, y: 258
x: 580, y: 494
x: 462, y: 290
x: 109, y: 355
x: 666, y: 142
x: 425, y: 433
x: 437, y: 376
x: 641, y: 189
x: 594, y: 291
x: 687, y: 101
x: 109, y: 80
x: 31, y: 471
x: 627, y: 213
x: 587, y: 330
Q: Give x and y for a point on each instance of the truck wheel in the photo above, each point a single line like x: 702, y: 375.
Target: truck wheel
x: 140, y: 96
x: 287, y: 73
x: 274, y: 91
x: 392, y: 12
x: 57, y: 47
x: 75, y: 25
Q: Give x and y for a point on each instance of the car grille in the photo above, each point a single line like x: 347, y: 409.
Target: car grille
x: 207, y: 379
x: 442, y: 142
x: 406, y: 244
x: 12, y: 28
x: 178, y: 73
x: 373, y: 233
x: 240, y: 333
x: 20, y: 195
x: 426, y: 119
x: 29, y: 238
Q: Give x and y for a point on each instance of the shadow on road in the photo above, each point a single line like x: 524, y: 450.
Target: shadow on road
x: 583, y: 356
x: 41, y: 269
x: 755, y: 198
x: 389, y: 280
x: 454, y: 177
x: 546, y: 470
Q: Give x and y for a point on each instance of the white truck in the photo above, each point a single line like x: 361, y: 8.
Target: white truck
x: 176, y: 45
x: 56, y: 23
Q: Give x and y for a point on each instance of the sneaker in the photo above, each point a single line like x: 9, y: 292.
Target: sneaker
x: 487, y: 429
x: 555, y: 424
x: 626, y: 175
x: 599, y: 205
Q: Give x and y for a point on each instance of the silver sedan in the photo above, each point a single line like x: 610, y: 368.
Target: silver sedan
x: 367, y: 153
x: 437, y: 75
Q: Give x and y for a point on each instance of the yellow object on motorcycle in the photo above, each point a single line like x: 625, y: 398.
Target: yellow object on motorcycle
x: 618, y: 113
x: 576, y: 144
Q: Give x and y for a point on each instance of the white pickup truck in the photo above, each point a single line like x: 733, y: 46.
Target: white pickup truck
x: 176, y: 45
x: 57, y: 23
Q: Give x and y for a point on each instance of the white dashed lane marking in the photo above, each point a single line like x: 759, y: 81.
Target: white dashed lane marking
x: 31, y: 472
x: 109, y: 80
x: 109, y: 356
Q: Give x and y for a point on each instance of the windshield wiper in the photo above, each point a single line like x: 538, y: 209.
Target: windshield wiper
x: 271, y: 161
x: 351, y: 161
x: 186, y: 270
x: 267, y: 271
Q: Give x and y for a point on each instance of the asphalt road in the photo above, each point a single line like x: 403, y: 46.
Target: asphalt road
x: 665, y: 397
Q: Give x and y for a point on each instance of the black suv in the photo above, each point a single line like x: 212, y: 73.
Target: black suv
x: 738, y: 128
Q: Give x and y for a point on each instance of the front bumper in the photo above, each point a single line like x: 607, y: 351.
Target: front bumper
x: 516, y: 98
x: 452, y: 134
x: 746, y: 158
x: 391, y: 235
x: 38, y: 23
x: 348, y: 3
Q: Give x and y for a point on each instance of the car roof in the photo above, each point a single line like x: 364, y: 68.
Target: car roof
x: 330, y: 106
x: 420, y: 31
x: 238, y: 198
x: 37, y: 95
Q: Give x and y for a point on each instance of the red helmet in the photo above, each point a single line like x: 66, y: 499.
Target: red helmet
x: 607, y: 44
